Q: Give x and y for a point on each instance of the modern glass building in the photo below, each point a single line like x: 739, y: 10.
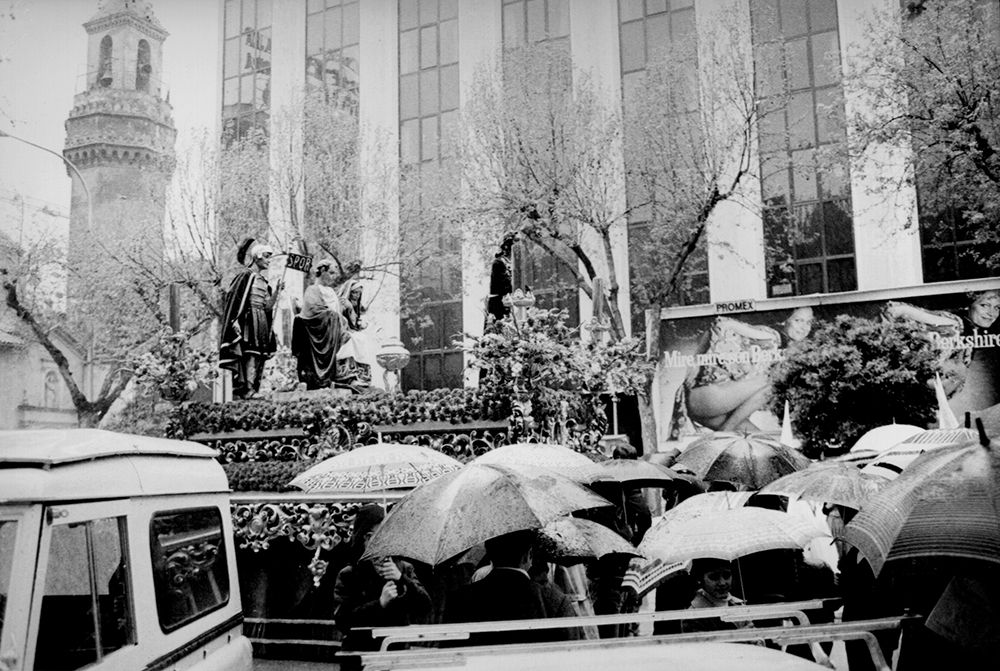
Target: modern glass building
x: 407, y: 67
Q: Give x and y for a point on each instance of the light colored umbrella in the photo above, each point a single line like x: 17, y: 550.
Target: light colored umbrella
x: 945, y: 504
x: 689, y: 509
x: 449, y: 515
x: 829, y: 482
x: 373, y: 468
x: 569, y: 540
x: 891, y: 463
x: 752, y: 460
x: 558, y: 458
x: 730, y: 534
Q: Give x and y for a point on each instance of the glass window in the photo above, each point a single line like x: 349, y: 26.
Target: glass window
x: 86, y: 610
x: 449, y: 87
x: 263, y: 12
x: 246, y: 89
x: 558, y: 18
x: 428, y: 11
x: 352, y: 23
x: 656, y: 6
x: 448, y: 9
x: 793, y: 17
x: 8, y: 534
x: 630, y: 9
x: 822, y: 14
x: 409, y: 141
x: 798, y: 63
x: 314, y: 34
x: 190, y: 568
x: 232, y: 19
x: 409, y: 52
x: 825, y: 58
x: 428, y: 47
x: 829, y: 115
x: 633, y: 46
x: 333, y: 28
x: 429, y: 139
x: 429, y: 103
x: 449, y: 41
x: 513, y: 24
x: 801, y: 121
x: 409, y: 103
x: 408, y: 16
x: 231, y: 57
x: 536, y: 20
x: 657, y: 37
x: 804, y: 175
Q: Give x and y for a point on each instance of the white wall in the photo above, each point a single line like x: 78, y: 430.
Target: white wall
x: 886, y: 234
x: 480, y: 34
x: 594, y: 41
x: 735, y: 233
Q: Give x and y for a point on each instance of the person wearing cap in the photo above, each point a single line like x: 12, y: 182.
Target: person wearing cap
x: 715, y: 580
x: 247, y: 339
x: 319, y: 331
x: 381, y: 592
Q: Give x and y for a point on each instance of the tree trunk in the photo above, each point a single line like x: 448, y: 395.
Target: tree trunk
x: 647, y: 414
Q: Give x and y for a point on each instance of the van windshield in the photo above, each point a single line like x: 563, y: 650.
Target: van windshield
x: 8, y: 532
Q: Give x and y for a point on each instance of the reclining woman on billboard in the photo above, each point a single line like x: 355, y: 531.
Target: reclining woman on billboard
x: 731, y: 382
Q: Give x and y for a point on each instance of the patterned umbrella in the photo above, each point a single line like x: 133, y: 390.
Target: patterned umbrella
x: 689, y: 509
x: 730, y: 534
x: 946, y: 503
x: 562, y: 460
x: 374, y: 468
x: 891, y: 463
x: 830, y: 482
x: 752, y: 460
x: 449, y: 515
x: 569, y: 540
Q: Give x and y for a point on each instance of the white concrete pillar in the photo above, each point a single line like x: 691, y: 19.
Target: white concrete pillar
x: 480, y: 33
x: 285, y: 146
x: 886, y: 229
x: 735, y: 232
x: 594, y: 43
x: 378, y: 110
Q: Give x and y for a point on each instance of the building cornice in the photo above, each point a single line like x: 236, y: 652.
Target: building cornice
x: 126, y: 18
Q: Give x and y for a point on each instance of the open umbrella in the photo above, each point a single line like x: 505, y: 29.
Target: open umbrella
x: 569, y: 540
x: 876, y: 441
x: 891, y: 463
x: 730, y: 534
x: 373, y: 468
x: 558, y: 458
x: 639, y: 473
x: 829, y: 482
x: 752, y: 460
x: 449, y: 515
x: 945, y: 504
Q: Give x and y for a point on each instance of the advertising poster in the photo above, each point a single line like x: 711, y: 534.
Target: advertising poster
x: 714, y: 370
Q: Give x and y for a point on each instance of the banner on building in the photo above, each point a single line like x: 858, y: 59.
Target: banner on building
x: 714, y: 370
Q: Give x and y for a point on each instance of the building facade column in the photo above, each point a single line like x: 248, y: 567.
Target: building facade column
x: 480, y: 35
x: 378, y: 111
x: 595, y: 46
x: 884, y: 200
x: 735, y: 230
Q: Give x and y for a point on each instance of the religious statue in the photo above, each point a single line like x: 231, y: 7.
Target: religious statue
x: 319, y: 331
x: 247, y: 340
x: 357, y: 355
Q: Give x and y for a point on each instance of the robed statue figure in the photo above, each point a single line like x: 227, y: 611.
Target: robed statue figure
x: 319, y: 330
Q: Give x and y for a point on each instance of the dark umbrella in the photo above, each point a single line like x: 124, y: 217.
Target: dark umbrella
x: 944, y: 504
x: 829, y: 482
x: 638, y: 473
x: 752, y: 460
x: 570, y: 540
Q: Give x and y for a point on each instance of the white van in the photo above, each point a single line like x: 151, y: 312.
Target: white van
x: 116, y: 552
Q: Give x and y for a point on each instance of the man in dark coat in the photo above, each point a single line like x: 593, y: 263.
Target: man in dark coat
x: 382, y: 593
x: 247, y: 338
x: 506, y: 593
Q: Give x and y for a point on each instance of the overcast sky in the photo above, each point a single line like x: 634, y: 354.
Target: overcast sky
x: 43, y: 54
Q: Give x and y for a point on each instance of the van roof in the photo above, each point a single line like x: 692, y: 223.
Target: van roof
x: 63, y: 464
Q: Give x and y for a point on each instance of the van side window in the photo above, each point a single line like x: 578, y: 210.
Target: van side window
x: 87, y: 604
x: 8, y: 534
x: 190, y: 569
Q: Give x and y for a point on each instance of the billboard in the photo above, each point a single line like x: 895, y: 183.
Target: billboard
x: 714, y: 367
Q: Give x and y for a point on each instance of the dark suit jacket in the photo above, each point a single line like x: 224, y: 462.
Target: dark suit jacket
x: 504, y: 594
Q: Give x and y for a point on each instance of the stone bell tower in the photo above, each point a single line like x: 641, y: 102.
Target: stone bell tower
x: 120, y: 135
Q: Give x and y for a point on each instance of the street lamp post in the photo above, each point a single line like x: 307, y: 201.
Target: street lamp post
x: 83, y: 182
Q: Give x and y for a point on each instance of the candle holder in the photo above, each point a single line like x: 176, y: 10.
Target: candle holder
x: 393, y: 357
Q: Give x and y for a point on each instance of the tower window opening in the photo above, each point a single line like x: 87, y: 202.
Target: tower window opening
x: 104, y: 64
x: 143, y: 67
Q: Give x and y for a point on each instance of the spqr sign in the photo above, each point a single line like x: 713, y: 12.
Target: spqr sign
x: 300, y: 262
